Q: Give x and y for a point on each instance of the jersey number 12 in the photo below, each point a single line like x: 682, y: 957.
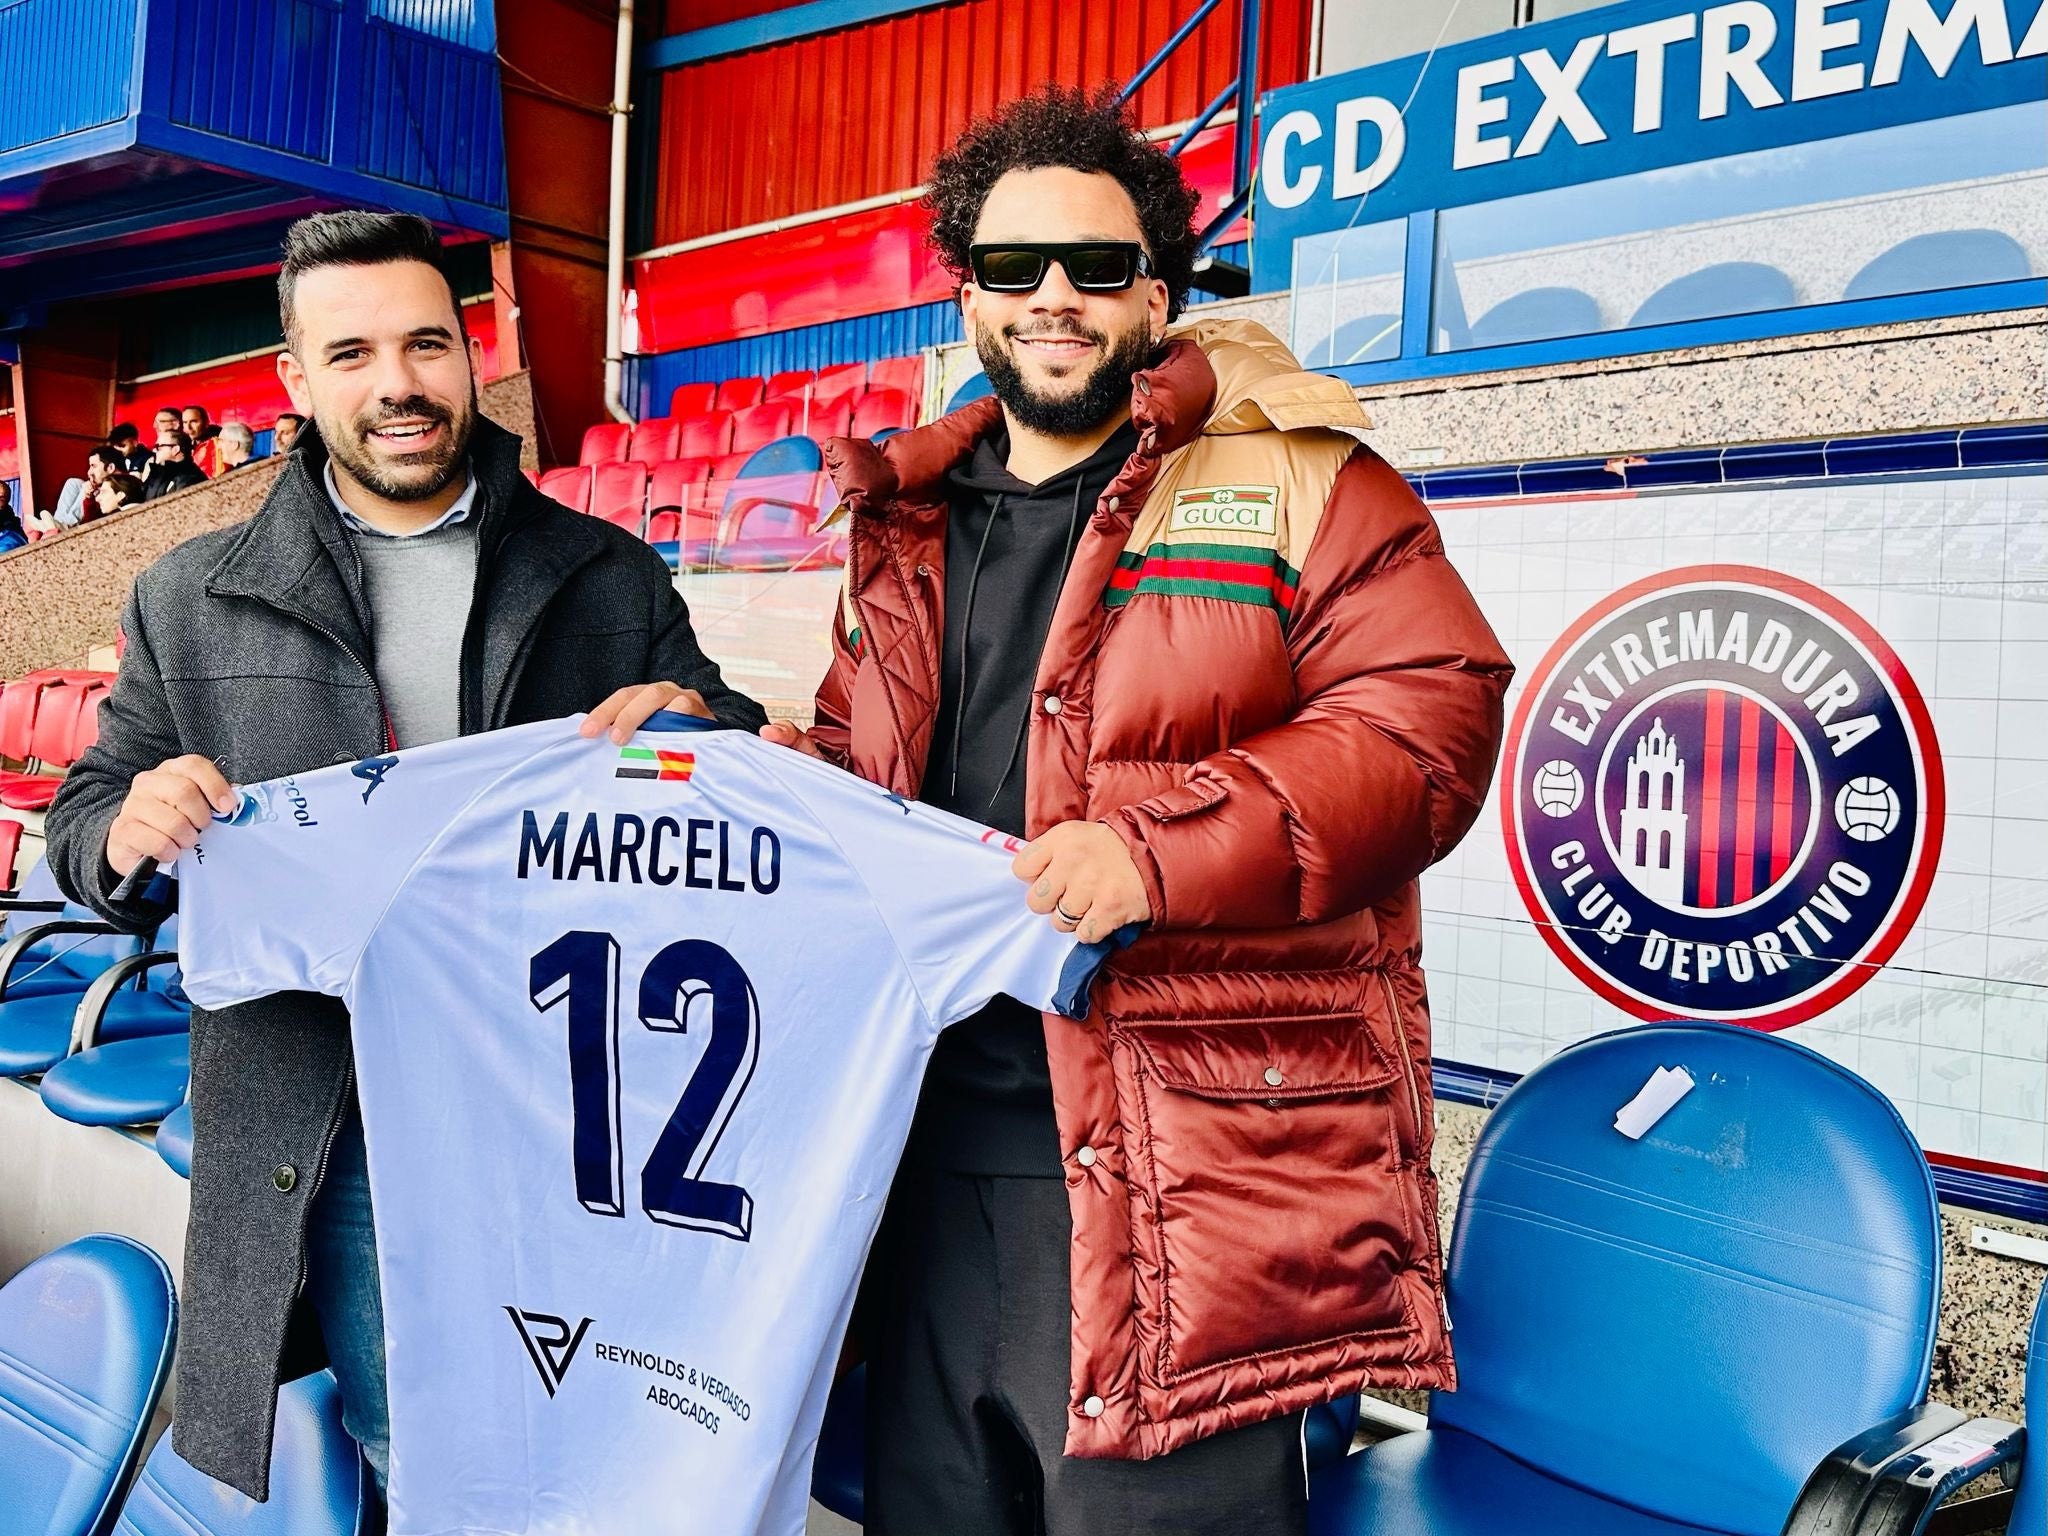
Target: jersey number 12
x: 581, y: 968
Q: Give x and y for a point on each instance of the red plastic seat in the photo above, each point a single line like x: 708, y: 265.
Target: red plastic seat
x: 654, y: 440
x: 848, y: 381
x: 883, y: 408
x: 605, y: 443
x: 10, y: 847
x: 532, y: 476
x: 725, y: 470
x: 87, y: 731
x: 832, y: 419
x: 794, y: 382
x: 761, y: 425
x: 18, y: 716
x: 704, y: 437
x: 692, y: 399
x: 618, y: 494
x: 571, y: 487
x: 51, y: 744
x: 675, y: 485
x: 738, y: 394
x: 904, y: 373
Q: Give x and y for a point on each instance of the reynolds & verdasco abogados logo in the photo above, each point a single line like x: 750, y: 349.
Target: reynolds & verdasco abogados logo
x: 1722, y: 798
x: 551, y: 1343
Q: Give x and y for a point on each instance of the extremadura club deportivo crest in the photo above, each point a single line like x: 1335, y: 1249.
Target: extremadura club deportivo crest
x: 1722, y: 798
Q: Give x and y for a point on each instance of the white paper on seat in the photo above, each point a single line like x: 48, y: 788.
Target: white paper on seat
x: 1667, y: 1085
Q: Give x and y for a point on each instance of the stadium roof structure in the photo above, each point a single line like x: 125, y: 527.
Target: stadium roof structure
x: 185, y: 155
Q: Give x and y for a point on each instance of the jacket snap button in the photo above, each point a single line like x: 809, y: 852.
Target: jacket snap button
x: 344, y: 757
x: 1085, y: 1157
x: 923, y: 569
x: 1052, y: 703
x: 285, y: 1177
x: 1274, y: 1078
x: 1093, y: 1407
x: 1115, y: 502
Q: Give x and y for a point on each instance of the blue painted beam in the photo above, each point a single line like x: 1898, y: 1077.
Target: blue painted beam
x: 774, y: 27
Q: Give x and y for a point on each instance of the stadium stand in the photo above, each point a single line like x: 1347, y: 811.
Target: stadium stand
x: 135, y: 1081
x: 1642, y: 1347
x: 85, y: 1350
x: 319, y: 1486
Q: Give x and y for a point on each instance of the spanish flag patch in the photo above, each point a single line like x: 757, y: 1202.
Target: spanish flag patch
x: 649, y: 763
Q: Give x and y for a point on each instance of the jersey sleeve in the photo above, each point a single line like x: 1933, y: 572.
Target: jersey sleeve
x: 283, y: 895
x: 947, y: 894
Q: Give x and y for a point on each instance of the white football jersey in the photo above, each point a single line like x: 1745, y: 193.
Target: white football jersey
x: 638, y: 1035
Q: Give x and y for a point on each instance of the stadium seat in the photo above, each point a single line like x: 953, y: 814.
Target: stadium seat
x: 85, y: 1349
x: 759, y: 425
x: 605, y: 443
x: 319, y: 1483
x: 10, y: 850
x: 1943, y: 258
x: 1704, y: 1330
x: 1366, y: 339
x: 904, y: 373
x: 654, y: 440
x: 770, y: 513
x: 883, y: 408
x: 174, y: 1141
x: 675, y: 486
x: 972, y: 388
x: 1725, y: 288
x: 44, y: 953
x: 2030, y: 1505
x: 737, y: 394
x: 705, y: 436
x: 618, y: 494
x: 52, y: 744
x: 569, y: 486
x: 134, y: 1081
x: 846, y: 381
x: 87, y: 731
x: 36, y: 1022
x: 834, y: 418
x: 692, y: 399
x: 1537, y: 314
x: 794, y: 382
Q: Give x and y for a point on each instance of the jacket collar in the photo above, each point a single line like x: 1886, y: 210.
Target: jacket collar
x: 1213, y: 377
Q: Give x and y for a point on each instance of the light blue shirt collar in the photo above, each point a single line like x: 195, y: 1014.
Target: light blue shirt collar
x: 455, y: 513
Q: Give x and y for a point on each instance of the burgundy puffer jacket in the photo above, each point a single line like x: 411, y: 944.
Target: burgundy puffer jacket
x: 1263, y: 673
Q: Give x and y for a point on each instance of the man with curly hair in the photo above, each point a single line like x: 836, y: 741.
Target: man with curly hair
x: 1155, y: 608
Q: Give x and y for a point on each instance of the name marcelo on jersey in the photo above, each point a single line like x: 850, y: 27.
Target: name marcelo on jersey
x: 704, y: 854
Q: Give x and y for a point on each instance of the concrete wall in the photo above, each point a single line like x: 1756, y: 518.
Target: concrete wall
x: 63, y: 595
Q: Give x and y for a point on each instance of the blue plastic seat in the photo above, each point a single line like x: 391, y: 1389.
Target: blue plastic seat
x: 2030, y: 1505
x: 1677, y: 1334
x: 46, y: 954
x: 970, y: 389
x: 1942, y: 258
x: 767, y: 521
x: 174, y: 1140
x: 127, y: 1082
x: 1366, y: 339
x: 1725, y: 288
x: 35, y: 1032
x: 318, y: 1484
x: 85, y: 1348
x: 1537, y: 314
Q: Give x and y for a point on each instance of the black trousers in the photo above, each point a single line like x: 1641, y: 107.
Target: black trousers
x: 968, y: 1379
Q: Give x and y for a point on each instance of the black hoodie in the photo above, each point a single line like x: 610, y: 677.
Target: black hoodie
x: 987, y: 1104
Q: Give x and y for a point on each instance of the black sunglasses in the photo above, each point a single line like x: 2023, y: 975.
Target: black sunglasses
x: 1092, y: 266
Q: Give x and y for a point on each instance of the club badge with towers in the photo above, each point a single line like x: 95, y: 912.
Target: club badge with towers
x: 1722, y: 798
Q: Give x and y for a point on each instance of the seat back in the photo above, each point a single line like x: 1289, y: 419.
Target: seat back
x: 18, y: 704
x: 85, y: 1348
x: 605, y: 442
x: 970, y: 389
x: 827, y: 418
x: 1942, y: 258
x: 654, y: 440
x: 318, y: 1483
x: 10, y: 848
x: 692, y: 399
x: 705, y: 436
x: 840, y: 382
x: 883, y: 408
x: 760, y: 425
x: 785, y: 471
x: 1725, y: 288
x: 569, y: 486
x: 79, y: 957
x: 39, y: 884
x: 618, y: 494
x: 738, y: 394
x: 1537, y: 314
x: 1365, y: 339
x: 56, y: 723
x: 904, y: 373
x: 2030, y: 1505
x: 794, y: 382
x: 86, y: 731
x: 1689, y: 1323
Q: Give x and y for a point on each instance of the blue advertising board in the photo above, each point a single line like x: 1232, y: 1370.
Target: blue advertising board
x: 1621, y: 89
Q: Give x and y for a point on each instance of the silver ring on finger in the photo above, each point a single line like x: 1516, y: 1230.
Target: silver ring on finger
x: 1072, y: 917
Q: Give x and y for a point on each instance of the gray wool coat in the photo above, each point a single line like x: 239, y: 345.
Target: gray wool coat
x: 251, y: 646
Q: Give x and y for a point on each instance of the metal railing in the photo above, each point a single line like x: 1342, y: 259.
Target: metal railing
x: 1243, y: 90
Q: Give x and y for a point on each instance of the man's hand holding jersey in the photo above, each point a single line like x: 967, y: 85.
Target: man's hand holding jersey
x: 1081, y: 873
x: 166, y: 809
x: 630, y: 708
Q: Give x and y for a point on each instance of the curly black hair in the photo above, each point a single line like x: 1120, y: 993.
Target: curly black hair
x: 1079, y: 130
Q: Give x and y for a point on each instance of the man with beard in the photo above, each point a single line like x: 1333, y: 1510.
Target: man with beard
x: 402, y: 584
x: 1154, y: 607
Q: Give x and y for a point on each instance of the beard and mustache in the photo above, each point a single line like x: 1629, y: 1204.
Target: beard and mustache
x: 414, y: 476
x: 1105, y: 392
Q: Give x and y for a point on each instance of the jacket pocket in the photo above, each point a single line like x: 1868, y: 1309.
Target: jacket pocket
x: 1270, y: 1164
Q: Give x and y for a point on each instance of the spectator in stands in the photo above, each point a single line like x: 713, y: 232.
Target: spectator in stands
x: 237, y: 445
x: 76, y: 501
x: 402, y: 584
x: 205, y: 439
x: 118, y: 490
x: 12, y: 534
x: 167, y: 420
x: 285, y: 431
x: 128, y: 442
x: 1248, y: 711
x: 174, y: 470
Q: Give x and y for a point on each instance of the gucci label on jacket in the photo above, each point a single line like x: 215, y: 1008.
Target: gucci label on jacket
x: 1220, y: 541
x: 1226, y: 509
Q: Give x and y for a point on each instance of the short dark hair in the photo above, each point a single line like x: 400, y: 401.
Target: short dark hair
x: 113, y: 458
x: 1074, y: 129
x: 355, y: 237
x: 291, y: 416
x: 124, y: 432
x: 184, y: 443
x: 203, y: 416
x: 127, y: 485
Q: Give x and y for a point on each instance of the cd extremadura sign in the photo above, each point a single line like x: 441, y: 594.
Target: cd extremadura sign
x: 1722, y: 798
